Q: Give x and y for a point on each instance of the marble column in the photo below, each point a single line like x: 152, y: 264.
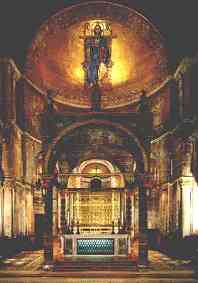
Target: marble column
x: 10, y: 75
x: 63, y: 216
x: 8, y: 209
x: 180, y: 213
x: 8, y: 78
x: 52, y: 247
x: 48, y: 235
x: 143, y: 241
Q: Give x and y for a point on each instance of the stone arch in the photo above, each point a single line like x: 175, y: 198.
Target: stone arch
x: 104, y: 162
x: 130, y: 134
x: 108, y: 158
x: 107, y: 164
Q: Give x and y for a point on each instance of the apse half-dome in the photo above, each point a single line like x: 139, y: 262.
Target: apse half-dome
x: 137, y: 55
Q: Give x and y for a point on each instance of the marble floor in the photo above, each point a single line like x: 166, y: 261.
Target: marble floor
x: 33, y: 261
x: 27, y: 267
x: 94, y: 280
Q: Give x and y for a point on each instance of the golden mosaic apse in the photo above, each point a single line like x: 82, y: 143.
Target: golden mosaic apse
x: 56, y: 55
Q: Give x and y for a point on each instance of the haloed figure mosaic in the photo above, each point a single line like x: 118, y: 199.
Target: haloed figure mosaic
x: 97, y: 48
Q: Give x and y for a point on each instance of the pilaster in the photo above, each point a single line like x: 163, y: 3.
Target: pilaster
x: 52, y: 248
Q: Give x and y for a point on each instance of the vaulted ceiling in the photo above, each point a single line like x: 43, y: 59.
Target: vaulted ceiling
x: 176, y: 20
x: 138, y: 55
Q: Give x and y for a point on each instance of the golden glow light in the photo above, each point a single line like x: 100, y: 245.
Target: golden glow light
x: 122, y: 57
x: 122, y: 65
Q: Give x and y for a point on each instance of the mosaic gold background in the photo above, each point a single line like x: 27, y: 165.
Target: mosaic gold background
x: 55, y: 56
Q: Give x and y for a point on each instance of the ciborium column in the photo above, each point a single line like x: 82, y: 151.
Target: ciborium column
x: 52, y: 247
x: 142, y: 241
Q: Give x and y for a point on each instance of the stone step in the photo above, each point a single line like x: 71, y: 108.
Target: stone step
x: 95, y: 265
x: 95, y: 268
x: 98, y: 263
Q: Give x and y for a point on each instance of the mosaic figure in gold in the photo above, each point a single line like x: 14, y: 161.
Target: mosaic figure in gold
x: 97, y: 49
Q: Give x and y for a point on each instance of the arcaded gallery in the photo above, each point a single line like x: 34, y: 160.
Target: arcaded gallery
x: 98, y: 140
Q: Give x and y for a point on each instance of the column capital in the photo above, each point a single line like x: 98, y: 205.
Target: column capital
x: 183, y: 67
x: 12, y: 68
x: 8, y: 182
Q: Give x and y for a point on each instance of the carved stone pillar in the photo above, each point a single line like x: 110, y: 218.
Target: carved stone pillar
x: 48, y: 235
x: 182, y: 77
x: 194, y: 160
x: 143, y: 241
x: 8, y: 208
x: 52, y: 247
x: 139, y: 246
x: 2, y: 211
x: 140, y: 242
x: 146, y: 122
x: 10, y: 75
x: 186, y: 157
x: 180, y: 213
x: 63, y: 216
x: 174, y: 103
